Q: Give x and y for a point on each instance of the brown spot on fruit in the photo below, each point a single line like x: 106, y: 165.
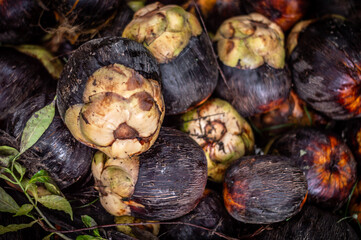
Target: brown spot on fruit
x: 214, y: 131
x: 229, y: 46
x: 134, y: 82
x: 146, y: 101
x: 125, y: 132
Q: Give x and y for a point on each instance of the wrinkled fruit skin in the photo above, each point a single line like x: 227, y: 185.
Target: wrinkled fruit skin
x: 330, y: 85
x: 104, y: 98
x: 264, y: 189
x: 327, y: 162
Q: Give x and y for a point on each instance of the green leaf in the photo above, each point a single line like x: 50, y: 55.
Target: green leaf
x: 48, y: 237
x: 57, y: 203
x: 53, y: 188
x: 41, y: 176
x: 90, y: 222
x: 6, y: 155
x: 86, y: 237
x: 15, y: 227
x: 7, y: 203
x: 30, y: 188
x: 24, y: 210
x: 7, y: 178
x: 20, y: 169
x: 36, y: 126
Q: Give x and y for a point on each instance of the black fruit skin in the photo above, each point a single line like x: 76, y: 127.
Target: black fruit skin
x: 311, y: 223
x: 64, y: 158
x: 209, y: 213
x: 330, y: 85
x: 190, y: 78
x: 352, y: 135
x: 172, y: 177
x: 121, y: 20
x: 326, y: 160
x: 98, y: 53
x: 86, y: 13
x: 264, y: 189
x: 22, y: 21
x: 254, y: 91
x: 21, y: 76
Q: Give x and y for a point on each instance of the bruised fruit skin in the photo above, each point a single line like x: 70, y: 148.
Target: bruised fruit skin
x: 112, y: 99
x: 264, y: 189
x: 156, y: 25
x: 175, y: 38
x: 222, y: 133
x: 330, y: 85
x: 163, y: 183
x: 252, y: 57
x: 327, y: 162
x: 284, y: 13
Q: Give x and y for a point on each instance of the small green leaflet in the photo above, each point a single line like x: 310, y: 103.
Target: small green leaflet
x: 6, y: 155
x: 7, y: 178
x: 36, y: 126
x: 7, y: 203
x: 48, y: 237
x: 51, y: 187
x: 302, y: 152
x: 24, y: 210
x: 41, y: 177
x: 57, y: 203
x: 87, y: 237
x: 20, y: 169
x: 90, y: 222
x: 30, y: 188
x: 15, y: 227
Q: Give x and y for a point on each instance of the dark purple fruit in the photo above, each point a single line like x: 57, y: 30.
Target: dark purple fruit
x: 209, y: 213
x: 283, y: 12
x: 327, y: 162
x: 214, y: 12
x: 264, y: 189
x: 107, y: 89
x: 57, y: 152
x: 21, y: 76
x: 252, y: 56
x: 22, y: 21
x: 163, y: 183
x: 181, y: 47
x: 326, y: 66
x: 311, y: 223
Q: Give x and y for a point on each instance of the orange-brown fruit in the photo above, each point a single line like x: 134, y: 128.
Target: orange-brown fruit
x: 292, y: 112
x: 283, y: 12
x: 326, y: 160
x: 264, y: 189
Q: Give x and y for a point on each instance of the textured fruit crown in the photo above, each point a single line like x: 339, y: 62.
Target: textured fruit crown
x: 248, y: 42
x: 164, y: 30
